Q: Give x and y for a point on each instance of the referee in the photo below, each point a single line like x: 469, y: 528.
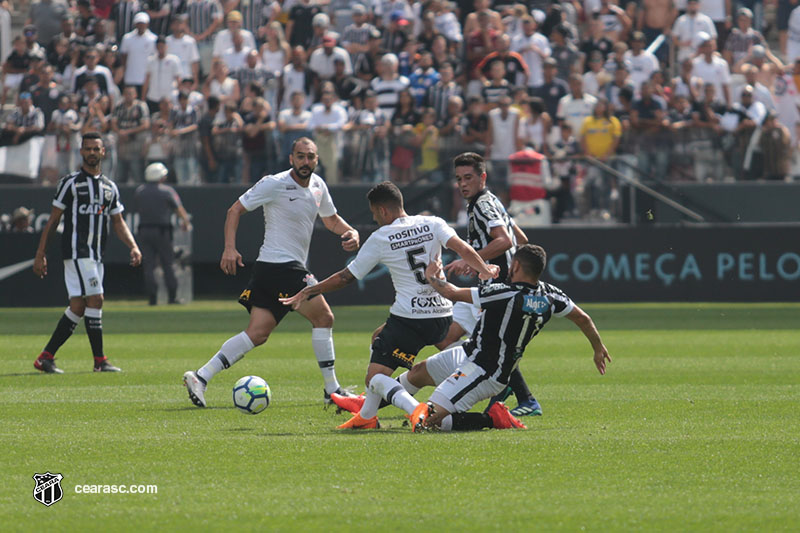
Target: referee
x: 155, y: 203
x: 89, y: 201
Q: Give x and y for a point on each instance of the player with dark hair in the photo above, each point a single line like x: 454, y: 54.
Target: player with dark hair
x: 495, y: 236
x: 89, y: 201
x: 418, y: 317
x: 513, y: 313
x: 291, y: 201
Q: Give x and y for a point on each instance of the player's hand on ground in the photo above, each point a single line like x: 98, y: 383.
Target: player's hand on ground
x: 351, y: 240
x: 230, y: 260
x: 295, y: 301
x: 40, y: 266
x: 459, y: 267
x: 600, y: 358
x: 494, y: 271
x: 136, y: 257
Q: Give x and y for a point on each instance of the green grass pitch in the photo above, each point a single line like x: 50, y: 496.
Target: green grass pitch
x: 695, y: 427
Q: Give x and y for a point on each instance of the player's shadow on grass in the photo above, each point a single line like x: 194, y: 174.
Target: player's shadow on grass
x: 193, y: 408
x: 37, y: 373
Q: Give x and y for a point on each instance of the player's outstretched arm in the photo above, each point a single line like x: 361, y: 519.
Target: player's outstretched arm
x: 501, y: 241
x: 435, y: 277
x: 231, y: 258
x: 332, y: 283
x: 350, y: 238
x: 471, y: 257
x: 585, y: 322
x: 124, y: 233
x: 520, y: 235
x: 40, y: 260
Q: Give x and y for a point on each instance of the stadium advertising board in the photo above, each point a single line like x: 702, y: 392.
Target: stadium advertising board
x: 711, y: 263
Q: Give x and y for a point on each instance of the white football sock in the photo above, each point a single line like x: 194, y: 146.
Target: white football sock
x: 232, y: 350
x: 392, y: 392
x: 371, y: 402
x: 447, y: 423
x: 403, y: 379
x: 322, y: 342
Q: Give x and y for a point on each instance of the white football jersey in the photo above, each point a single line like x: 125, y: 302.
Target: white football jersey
x: 405, y: 247
x: 289, y: 214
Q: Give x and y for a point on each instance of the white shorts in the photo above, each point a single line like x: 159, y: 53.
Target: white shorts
x: 441, y: 365
x: 466, y: 385
x: 466, y: 315
x: 83, y: 277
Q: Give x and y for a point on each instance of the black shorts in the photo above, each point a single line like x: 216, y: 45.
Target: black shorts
x: 271, y: 281
x: 402, y: 338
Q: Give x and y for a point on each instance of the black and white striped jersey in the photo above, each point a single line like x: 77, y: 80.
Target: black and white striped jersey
x: 88, y: 203
x: 512, y: 315
x: 202, y: 14
x: 485, y: 212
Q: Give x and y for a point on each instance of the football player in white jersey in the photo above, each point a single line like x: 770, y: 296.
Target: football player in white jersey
x: 418, y: 317
x: 291, y: 201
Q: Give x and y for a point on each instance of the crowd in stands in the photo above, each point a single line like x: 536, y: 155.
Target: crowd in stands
x: 218, y: 90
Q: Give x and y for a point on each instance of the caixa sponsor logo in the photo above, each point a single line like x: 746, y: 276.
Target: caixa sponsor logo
x: 91, y: 209
x: 669, y: 267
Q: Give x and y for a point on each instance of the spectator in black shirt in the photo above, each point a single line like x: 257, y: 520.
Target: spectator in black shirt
x: 208, y: 159
x: 596, y: 42
x: 475, y: 126
x: 84, y: 23
x: 552, y: 89
x: 364, y: 63
x: 298, y: 29
x: 17, y: 63
x: 46, y: 93
x: 345, y: 84
x: 404, y: 119
x: 59, y: 56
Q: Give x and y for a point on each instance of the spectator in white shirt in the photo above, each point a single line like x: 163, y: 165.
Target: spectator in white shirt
x: 793, y: 37
x: 576, y: 106
x: 327, y: 121
x: 224, y: 39
x: 137, y: 46
x: 235, y: 56
x: 323, y: 59
x: 534, y: 49
x: 687, y: 26
x: 712, y: 68
x: 642, y: 63
x: 293, y: 123
x: 162, y: 77
x: 760, y: 92
x: 446, y: 21
x: 184, y: 47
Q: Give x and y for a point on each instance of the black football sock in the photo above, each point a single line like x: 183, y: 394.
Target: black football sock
x: 62, y: 332
x: 94, y: 329
x: 520, y: 388
x: 471, y: 421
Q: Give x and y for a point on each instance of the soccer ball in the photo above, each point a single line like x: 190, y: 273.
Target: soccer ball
x: 251, y: 395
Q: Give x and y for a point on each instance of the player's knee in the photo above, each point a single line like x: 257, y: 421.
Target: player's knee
x: 416, y: 373
x: 325, y: 320
x: 77, y: 306
x: 95, y: 301
x: 258, y: 337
